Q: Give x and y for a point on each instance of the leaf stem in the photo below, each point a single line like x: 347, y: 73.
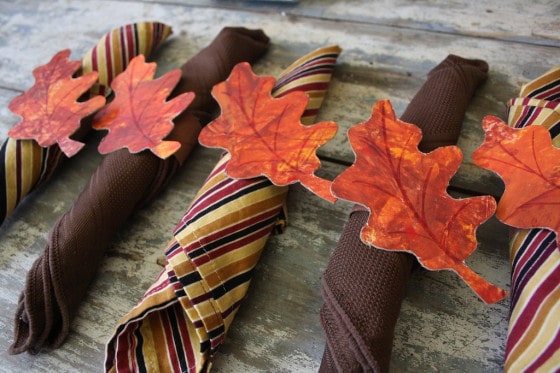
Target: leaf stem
x: 319, y: 186
x: 488, y: 292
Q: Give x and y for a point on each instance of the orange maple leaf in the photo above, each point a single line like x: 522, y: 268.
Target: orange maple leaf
x: 405, y: 191
x: 139, y: 117
x: 528, y: 163
x: 264, y: 134
x: 49, y: 110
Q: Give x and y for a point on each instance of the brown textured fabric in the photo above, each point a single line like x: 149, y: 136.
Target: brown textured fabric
x: 122, y: 183
x: 233, y: 44
x: 209, y: 67
x: 439, y: 107
x: 363, y: 287
x: 363, y: 321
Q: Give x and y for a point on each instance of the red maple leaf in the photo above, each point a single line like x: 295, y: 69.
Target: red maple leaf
x: 264, y: 134
x: 528, y: 163
x: 139, y: 117
x: 405, y: 191
x: 49, y: 110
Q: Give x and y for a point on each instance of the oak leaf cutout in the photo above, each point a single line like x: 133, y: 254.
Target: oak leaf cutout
x: 49, y: 109
x: 139, y: 116
x: 529, y: 165
x: 264, y: 134
x: 405, y: 192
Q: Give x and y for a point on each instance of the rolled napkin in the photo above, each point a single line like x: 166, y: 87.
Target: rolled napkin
x: 363, y: 287
x: 23, y: 163
x: 533, y: 341
x: 122, y: 183
x: 183, y: 318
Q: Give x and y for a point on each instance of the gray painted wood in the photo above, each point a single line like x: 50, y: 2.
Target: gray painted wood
x: 495, y: 20
x: 387, y: 52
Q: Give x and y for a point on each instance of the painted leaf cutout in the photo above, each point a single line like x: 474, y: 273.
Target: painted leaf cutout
x: 529, y: 165
x: 49, y: 109
x: 405, y: 191
x: 139, y: 118
x: 264, y: 134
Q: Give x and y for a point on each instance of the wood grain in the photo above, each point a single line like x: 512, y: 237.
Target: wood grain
x: 388, y: 48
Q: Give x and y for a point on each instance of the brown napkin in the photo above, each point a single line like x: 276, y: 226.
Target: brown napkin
x: 363, y: 287
x: 123, y: 182
x: 439, y: 107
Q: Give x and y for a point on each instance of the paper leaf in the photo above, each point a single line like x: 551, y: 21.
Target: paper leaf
x: 405, y: 191
x: 49, y: 109
x: 264, y: 134
x: 139, y: 117
x: 529, y: 165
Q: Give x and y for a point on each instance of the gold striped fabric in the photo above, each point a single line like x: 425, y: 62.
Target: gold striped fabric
x: 538, y: 104
x: 183, y: 318
x: 115, y: 50
x: 533, y: 342
x: 23, y: 163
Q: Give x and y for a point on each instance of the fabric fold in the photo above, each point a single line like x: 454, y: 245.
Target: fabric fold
x: 533, y: 341
x: 183, y: 318
x: 23, y: 163
x: 122, y: 183
x: 363, y: 287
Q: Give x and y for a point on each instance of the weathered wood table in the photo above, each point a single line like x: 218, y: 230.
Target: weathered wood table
x: 388, y: 48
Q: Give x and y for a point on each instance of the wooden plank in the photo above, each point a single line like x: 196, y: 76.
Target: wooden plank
x: 361, y: 41
x: 517, y: 20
